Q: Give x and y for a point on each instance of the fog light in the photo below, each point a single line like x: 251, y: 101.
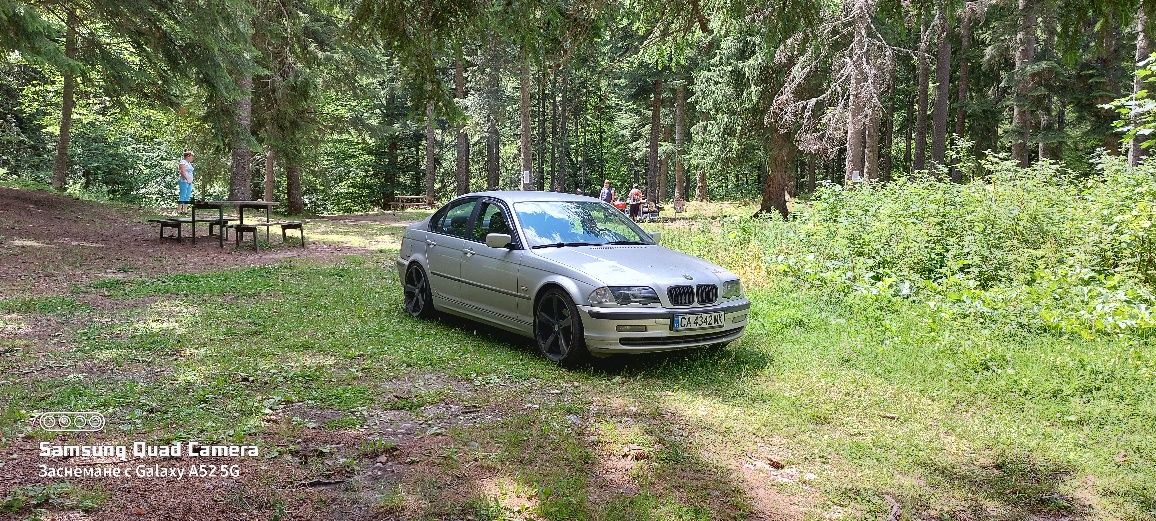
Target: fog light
x: 630, y: 329
x: 738, y: 318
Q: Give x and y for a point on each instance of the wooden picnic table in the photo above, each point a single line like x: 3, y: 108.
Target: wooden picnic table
x: 240, y: 206
x: 402, y: 202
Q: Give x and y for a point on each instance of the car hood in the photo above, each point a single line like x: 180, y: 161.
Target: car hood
x: 630, y: 265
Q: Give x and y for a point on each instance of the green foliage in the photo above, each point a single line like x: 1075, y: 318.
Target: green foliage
x: 1138, y: 111
x: 1032, y: 248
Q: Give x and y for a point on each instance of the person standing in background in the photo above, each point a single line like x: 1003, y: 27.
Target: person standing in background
x: 185, y: 181
x: 634, y: 199
x: 607, y: 193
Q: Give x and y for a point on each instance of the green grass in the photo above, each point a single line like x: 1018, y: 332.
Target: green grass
x: 43, y: 305
x: 30, y: 499
x: 868, y: 398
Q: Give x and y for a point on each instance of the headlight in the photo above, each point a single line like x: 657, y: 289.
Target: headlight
x: 731, y: 289
x: 623, y: 296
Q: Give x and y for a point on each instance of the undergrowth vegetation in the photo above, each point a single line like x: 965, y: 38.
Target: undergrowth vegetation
x: 1029, y: 248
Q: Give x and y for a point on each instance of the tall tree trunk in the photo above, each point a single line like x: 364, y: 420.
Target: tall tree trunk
x: 942, y: 92
x: 871, y: 144
x: 1109, y: 62
x: 908, y: 131
x: 563, y: 134
x: 270, y: 178
x: 539, y: 176
x: 1047, y: 119
x: 1143, y: 44
x: 663, y: 167
x: 462, y: 186
x: 922, y: 84
x: 68, y: 101
x: 554, y: 184
x: 700, y: 184
x: 240, y: 180
x: 493, y: 151
x: 393, y: 170
x: 679, y: 136
x: 430, y: 154
x: 1025, y: 55
x: 856, y: 110
x: 780, y: 154
x: 888, y: 134
x: 524, y: 107
x: 655, y: 129
x: 961, y: 81
x: 812, y: 167
x: 293, y: 187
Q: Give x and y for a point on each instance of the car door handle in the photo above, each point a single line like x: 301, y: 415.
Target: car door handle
x: 469, y: 252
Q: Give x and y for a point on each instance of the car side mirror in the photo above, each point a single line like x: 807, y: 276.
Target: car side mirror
x: 654, y: 236
x: 498, y: 240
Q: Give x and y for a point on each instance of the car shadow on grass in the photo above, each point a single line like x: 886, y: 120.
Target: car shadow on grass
x: 707, y: 368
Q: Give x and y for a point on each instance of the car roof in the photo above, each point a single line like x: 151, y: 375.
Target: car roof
x: 516, y: 196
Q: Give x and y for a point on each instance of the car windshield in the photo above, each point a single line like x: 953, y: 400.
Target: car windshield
x: 548, y: 224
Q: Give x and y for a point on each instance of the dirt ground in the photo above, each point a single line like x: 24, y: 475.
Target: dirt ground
x: 49, y: 241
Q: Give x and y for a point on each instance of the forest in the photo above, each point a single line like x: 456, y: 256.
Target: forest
x: 940, y: 212
x: 333, y: 106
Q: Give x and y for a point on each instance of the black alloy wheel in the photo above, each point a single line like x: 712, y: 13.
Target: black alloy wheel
x: 558, y: 329
x: 418, y: 298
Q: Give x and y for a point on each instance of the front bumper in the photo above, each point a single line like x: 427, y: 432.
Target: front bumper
x: 601, y: 327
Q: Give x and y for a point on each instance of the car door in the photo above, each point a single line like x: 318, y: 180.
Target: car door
x: 490, y: 275
x: 445, y: 244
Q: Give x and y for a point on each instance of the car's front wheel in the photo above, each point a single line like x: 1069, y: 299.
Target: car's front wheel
x: 558, y: 329
x: 418, y: 297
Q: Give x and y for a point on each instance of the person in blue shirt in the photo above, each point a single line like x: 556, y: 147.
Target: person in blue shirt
x: 185, y: 181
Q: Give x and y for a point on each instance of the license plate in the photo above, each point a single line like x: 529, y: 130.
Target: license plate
x: 697, y: 321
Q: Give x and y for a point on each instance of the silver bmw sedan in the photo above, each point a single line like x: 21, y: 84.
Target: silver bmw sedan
x: 571, y: 272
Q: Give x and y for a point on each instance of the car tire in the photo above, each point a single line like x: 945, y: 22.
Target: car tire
x: 558, y: 329
x: 418, y: 300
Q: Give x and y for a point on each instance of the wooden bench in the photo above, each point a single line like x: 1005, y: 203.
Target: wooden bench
x: 220, y: 223
x: 405, y: 202
x: 293, y: 225
x: 251, y: 227
x: 168, y: 223
x: 239, y: 231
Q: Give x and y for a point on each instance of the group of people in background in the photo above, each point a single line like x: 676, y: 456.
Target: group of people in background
x: 633, y: 203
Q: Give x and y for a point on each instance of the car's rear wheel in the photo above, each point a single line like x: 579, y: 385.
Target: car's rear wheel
x: 558, y: 329
x: 418, y: 297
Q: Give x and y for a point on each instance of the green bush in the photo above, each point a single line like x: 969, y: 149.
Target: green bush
x: 1031, y: 247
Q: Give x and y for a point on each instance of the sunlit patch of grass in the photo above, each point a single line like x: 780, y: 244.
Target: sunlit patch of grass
x: 165, y: 317
x: 370, y: 236
x: 503, y: 497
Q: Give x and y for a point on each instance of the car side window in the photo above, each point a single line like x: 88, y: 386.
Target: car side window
x: 492, y: 219
x: 455, y: 220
